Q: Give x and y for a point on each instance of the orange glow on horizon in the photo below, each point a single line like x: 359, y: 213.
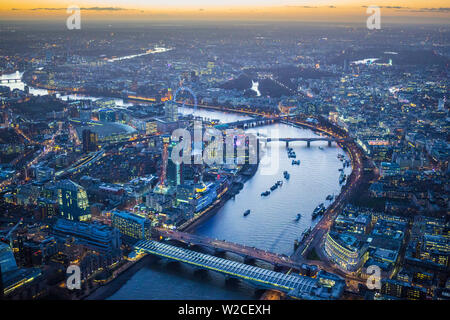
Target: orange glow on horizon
x: 290, y: 10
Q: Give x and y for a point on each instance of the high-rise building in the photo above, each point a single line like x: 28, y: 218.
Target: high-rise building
x: 346, y: 250
x: 174, y: 170
x: 171, y: 110
x: 89, y: 140
x: 131, y: 226
x: 73, y: 201
x: 346, y: 67
x: 441, y: 104
x: 7, y: 260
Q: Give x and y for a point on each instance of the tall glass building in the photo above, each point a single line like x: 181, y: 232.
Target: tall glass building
x: 7, y: 260
x: 73, y: 201
x: 171, y: 111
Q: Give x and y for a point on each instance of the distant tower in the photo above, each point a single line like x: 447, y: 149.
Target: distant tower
x: 346, y: 66
x: 89, y: 141
x: 174, y: 171
x: 165, y: 157
x: 441, y: 104
x: 171, y: 110
x: 5, y: 119
x: 134, y: 86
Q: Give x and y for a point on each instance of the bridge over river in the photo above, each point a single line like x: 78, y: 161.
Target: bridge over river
x: 249, y: 253
x: 324, y: 286
x: 308, y: 140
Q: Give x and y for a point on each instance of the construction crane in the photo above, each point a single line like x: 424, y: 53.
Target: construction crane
x: 9, y: 234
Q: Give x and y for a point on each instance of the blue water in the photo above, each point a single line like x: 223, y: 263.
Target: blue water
x: 270, y: 226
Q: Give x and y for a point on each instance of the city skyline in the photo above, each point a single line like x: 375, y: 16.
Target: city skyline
x: 208, y: 154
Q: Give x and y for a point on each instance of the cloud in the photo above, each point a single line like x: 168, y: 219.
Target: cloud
x: 306, y: 7
x: 435, y: 9
x: 388, y: 7
x: 104, y: 9
x: 400, y: 8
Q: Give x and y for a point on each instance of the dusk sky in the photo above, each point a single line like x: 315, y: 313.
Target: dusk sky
x: 412, y: 11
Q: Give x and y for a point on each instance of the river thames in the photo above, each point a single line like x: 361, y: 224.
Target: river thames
x: 271, y: 224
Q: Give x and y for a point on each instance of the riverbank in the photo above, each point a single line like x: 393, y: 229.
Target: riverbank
x: 247, y: 174
x: 105, y: 291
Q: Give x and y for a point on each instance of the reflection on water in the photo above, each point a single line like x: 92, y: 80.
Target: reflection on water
x: 163, y: 280
x: 270, y: 226
x: 272, y: 219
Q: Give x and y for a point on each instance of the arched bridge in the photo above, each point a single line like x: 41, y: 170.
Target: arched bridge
x: 296, y: 286
x: 249, y: 123
x: 9, y: 80
x: 308, y: 140
x: 249, y: 253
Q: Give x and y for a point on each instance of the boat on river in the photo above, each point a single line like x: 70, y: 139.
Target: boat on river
x: 320, y: 209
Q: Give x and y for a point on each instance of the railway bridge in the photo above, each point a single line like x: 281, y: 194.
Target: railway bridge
x: 324, y: 287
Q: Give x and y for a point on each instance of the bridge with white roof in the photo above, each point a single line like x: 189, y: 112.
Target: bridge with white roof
x: 296, y: 286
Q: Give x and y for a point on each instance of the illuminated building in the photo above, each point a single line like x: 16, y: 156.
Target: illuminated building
x: 171, y: 111
x: 131, y: 226
x: 185, y: 193
x: 346, y: 250
x: 400, y: 289
x: 73, y: 201
x: 205, y: 195
x: 106, y: 115
x: 107, y: 132
x: 164, y: 160
x: 89, y: 139
x: 441, y: 104
x: 158, y: 201
x: 389, y: 169
x: 151, y: 127
x: 13, y: 277
x: 94, y: 236
x: 47, y: 208
x: 174, y: 175
x: 7, y: 260
x: 43, y: 173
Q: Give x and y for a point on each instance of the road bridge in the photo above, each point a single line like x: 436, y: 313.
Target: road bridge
x: 308, y: 140
x: 248, y: 253
x: 10, y: 80
x: 249, y: 123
